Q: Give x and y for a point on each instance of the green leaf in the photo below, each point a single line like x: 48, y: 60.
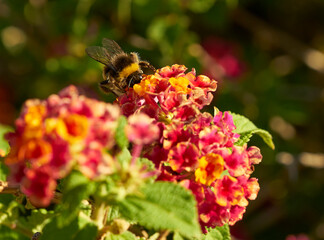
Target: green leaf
x: 120, y: 135
x: 164, y: 205
x: 76, y: 188
x: 38, y: 219
x: 200, y: 6
x: 79, y: 229
x: 113, y: 212
x: 88, y: 232
x: 124, y: 157
x: 11, y: 234
x: 225, y: 231
x: 149, y: 167
x: 177, y: 236
x: 4, y: 145
x: 124, y: 236
x: 218, y: 233
x: 246, y: 129
x: 4, y: 171
x: 147, y: 162
x: 9, y: 211
x: 213, y: 234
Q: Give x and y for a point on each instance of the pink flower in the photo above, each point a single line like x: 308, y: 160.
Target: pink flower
x: 211, y: 166
x: 183, y: 157
x: 210, y: 213
x: 228, y: 191
x: 173, y: 71
x: 225, y: 55
x: 39, y: 186
x: 236, y: 214
x: 254, y: 155
x: 226, y: 125
x: 63, y: 132
x: 141, y: 130
x: 195, y: 149
x: 237, y: 163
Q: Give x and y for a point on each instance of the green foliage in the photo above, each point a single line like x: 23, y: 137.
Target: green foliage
x: 275, y: 83
x: 246, y: 129
x: 146, y: 162
x: 177, y: 236
x: 10, y: 234
x: 200, y: 6
x: 4, y: 145
x: 218, y: 233
x: 9, y: 212
x: 12, y: 224
x: 79, y: 228
x: 3, y: 171
x: 173, y: 205
x: 124, y: 236
x: 76, y: 188
x: 37, y: 219
x: 4, y: 150
x: 120, y: 135
x: 124, y: 157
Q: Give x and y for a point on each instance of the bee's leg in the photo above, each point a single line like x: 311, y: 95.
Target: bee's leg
x: 131, y: 82
x: 107, y: 86
x: 147, y: 65
x: 104, y: 86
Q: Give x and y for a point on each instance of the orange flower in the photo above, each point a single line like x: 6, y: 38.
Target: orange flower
x: 210, y: 168
x: 34, y: 115
x: 180, y: 84
x: 37, y: 151
x: 33, y: 120
x: 71, y: 128
x: 146, y: 85
x: 76, y: 126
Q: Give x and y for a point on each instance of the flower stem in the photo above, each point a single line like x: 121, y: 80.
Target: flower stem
x: 99, y: 213
x: 7, y: 189
x: 136, y: 152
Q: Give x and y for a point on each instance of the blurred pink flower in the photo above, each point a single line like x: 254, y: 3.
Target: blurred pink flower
x: 224, y: 54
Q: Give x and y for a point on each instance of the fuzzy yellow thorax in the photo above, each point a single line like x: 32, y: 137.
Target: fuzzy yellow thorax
x: 129, y: 70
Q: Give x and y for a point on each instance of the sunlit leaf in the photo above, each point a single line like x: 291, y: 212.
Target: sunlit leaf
x: 247, y: 129
x: 163, y: 205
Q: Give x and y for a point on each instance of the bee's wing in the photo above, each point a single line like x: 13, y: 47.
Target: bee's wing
x: 99, y: 54
x: 112, y: 47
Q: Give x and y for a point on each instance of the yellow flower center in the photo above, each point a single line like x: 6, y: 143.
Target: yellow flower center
x: 71, y: 128
x: 180, y: 84
x: 33, y: 119
x: 210, y: 168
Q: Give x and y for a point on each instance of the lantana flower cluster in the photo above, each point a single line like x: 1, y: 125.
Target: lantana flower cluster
x: 64, y: 132
x: 164, y: 124
x: 195, y: 149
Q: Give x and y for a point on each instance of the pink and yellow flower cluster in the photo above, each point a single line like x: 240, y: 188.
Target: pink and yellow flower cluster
x: 165, y: 124
x: 64, y: 132
x: 196, y: 149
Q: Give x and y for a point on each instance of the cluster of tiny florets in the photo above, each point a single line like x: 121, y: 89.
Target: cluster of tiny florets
x: 195, y: 149
x: 164, y: 124
x: 64, y: 132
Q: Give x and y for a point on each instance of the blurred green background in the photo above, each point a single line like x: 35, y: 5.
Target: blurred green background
x: 266, y: 55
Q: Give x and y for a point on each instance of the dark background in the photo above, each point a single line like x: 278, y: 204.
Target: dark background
x: 266, y: 55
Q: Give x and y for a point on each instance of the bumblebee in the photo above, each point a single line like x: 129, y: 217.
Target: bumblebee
x: 122, y: 70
